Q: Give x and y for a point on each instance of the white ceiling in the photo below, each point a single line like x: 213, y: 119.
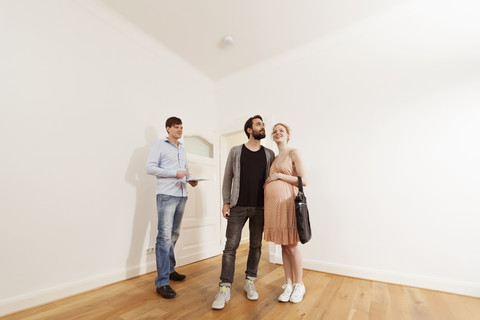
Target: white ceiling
x: 194, y: 29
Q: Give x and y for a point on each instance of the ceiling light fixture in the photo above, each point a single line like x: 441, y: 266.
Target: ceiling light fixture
x: 228, y: 40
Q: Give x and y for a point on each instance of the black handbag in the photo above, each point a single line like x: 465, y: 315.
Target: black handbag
x: 301, y: 212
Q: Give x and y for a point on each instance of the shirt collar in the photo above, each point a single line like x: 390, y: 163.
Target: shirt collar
x: 168, y: 141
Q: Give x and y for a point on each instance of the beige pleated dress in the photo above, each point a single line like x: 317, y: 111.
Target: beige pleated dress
x: 280, y: 222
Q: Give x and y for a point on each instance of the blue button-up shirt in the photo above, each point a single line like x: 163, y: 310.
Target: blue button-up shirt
x: 163, y: 162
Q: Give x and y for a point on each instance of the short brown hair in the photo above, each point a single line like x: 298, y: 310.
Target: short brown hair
x: 172, y: 121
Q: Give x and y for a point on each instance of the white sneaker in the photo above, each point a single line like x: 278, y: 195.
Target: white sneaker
x: 250, y: 290
x: 287, y: 292
x: 298, y: 293
x: 221, y: 298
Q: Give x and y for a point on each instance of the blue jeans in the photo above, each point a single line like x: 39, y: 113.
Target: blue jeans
x: 236, y: 221
x: 170, y: 212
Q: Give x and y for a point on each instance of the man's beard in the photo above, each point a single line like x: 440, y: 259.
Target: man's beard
x: 257, y: 135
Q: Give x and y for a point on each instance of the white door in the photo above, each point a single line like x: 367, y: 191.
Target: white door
x: 200, y: 231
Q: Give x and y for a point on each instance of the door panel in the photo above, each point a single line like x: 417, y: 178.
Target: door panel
x: 200, y: 231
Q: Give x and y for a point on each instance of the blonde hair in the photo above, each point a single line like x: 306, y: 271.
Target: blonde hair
x: 286, y: 128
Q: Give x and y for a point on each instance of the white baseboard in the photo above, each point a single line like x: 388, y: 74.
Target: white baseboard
x: 51, y: 294
x: 197, y: 256
x: 44, y: 296
x: 406, y: 279
x: 48, y: 295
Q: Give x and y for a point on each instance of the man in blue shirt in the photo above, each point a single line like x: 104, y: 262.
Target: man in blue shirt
x: 168, y: 162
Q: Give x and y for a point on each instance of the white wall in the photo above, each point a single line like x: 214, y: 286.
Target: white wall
x: 82, y: 98
x: 386, y: 114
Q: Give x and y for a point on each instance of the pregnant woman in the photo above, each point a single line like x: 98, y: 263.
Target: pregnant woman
x: 280, y: 222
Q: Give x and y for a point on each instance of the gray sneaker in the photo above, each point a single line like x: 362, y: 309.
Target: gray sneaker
x: 250, y: 290
x: 223, y: 296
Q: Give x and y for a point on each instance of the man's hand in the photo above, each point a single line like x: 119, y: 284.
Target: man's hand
x: 182, y: 174
x: 226, y: 210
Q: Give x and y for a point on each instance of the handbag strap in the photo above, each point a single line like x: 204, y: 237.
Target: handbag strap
x: 300, y: 184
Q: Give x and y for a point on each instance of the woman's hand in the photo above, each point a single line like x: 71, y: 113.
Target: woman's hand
x: 273, y: 177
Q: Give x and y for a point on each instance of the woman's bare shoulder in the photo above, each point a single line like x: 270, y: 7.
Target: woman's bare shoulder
x: 295, y: 152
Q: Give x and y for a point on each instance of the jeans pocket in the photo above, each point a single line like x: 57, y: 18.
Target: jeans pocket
x: 163, y: 198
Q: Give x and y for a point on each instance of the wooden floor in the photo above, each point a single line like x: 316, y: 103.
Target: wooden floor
x: 328, y: 297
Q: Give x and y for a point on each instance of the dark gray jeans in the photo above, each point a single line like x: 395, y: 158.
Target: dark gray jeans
x: 236, y: 221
